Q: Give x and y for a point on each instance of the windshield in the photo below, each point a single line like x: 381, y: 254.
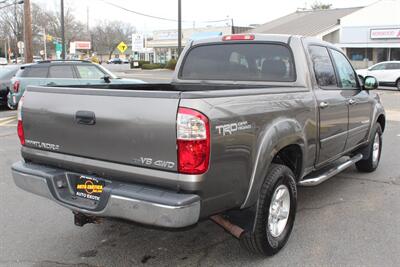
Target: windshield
x: 239, y: 62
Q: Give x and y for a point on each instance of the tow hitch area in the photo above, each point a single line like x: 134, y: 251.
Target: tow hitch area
x: 82, y: 219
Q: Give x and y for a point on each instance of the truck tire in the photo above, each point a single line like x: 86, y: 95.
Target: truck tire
x: 276, y: 211
x: 375, y: 148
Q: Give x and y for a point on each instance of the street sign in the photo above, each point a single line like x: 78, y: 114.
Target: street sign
x: 137, y: 42
x: 84, y: 45
x: 122, y: 47
x: 20, y: 45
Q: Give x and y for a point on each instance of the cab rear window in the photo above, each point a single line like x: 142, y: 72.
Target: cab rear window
x: 239, y: 62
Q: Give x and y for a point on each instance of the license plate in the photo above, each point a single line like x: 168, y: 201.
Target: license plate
x: 89, y: 187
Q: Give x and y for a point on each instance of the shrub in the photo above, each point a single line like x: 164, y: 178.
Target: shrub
x: 142, y: 62
x: 171, y: 64
x: 152, y: 66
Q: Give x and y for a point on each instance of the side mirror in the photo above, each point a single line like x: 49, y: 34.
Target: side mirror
x: 106, y: 79
x: 370, y: 83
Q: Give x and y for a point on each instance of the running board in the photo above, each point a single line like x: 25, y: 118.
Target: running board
x: 313, y: 181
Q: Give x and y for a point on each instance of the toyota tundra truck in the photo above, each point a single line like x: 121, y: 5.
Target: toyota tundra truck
x: 246, y: 120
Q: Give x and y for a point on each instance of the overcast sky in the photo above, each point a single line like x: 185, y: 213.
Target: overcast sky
x: 194, y: 12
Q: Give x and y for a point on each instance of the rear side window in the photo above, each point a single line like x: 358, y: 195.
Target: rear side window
x: 323, y: 68
x: 33, y: 72
x: 65, y: 71
x: 239, y: 62
x: 393, y: 66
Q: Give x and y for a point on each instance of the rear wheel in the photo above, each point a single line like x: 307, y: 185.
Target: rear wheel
x: 276, y: 212
x: 398, y: 84
x: 375, y: 148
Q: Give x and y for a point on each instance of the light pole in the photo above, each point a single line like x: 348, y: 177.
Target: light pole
x: 179, y: 27
x: 62, y: 31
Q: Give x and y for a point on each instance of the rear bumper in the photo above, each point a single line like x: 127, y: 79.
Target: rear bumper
x: 138, y: 203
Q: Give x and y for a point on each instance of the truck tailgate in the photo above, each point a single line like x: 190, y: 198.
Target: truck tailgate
x: 124, y: 126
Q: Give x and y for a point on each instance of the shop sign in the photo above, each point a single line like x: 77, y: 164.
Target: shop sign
x: 393, y: 33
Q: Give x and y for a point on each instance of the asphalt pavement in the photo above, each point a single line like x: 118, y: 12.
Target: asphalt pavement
x: 352, y: 219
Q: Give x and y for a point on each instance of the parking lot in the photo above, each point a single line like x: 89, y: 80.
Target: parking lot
x: 350, y: 220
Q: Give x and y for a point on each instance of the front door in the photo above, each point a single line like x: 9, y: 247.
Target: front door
x: 332, y: 106
x: 359, y: 102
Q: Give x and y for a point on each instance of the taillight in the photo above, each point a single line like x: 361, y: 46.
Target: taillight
x: 193, y: 140
x: 16, y: 87
x: 238, y: 37
x: 20, y: 127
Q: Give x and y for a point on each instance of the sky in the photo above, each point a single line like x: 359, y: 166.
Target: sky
x: 195, y: 13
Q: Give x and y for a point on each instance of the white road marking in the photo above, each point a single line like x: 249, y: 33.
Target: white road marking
x: 7, y: 118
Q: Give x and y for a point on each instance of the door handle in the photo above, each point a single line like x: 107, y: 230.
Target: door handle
x: 323, y: 104
x: 51, y: 84
x: 352, y: 102
x: 85, y: 117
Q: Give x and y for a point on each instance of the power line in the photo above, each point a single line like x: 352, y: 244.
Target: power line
x: 157, y: 17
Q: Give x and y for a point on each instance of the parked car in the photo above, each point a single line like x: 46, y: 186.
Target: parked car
x: 387, y: 73
x: 59, y: 72
x: 36, y: 59
x: 246, y: 120
x: 6, y: 73
x: 3, y: 61
x: 115, y: 60
x: 125, y: 61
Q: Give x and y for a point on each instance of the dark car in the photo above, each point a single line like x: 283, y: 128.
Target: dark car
x: 115, y: 60
x: 6, y: 73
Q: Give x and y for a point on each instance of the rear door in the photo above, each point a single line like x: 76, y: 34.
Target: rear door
x: 332, y: 105
x: 359, y: 102
x: 61, y: 75
x: 393, y: 72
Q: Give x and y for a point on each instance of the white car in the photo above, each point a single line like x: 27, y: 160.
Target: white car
x: 3, y: 61
x: 387, y: 73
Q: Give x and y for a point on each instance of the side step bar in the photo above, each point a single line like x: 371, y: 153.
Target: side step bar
x: 313, y: 181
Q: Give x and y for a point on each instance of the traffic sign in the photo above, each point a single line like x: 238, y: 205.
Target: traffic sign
x: 122, y: 47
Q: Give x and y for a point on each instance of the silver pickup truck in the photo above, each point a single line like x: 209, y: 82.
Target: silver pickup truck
x: 246, y: 119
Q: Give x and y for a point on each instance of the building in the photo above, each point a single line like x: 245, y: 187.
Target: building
x: 165, y: 42
x: 368, y: 34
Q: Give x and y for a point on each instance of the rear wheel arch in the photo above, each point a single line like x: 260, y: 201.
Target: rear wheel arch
x: 292, y: 157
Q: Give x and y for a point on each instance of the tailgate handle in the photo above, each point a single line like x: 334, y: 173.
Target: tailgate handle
x: 85, y: 117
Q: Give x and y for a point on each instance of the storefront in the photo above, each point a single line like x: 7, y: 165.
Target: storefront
x: 369, y: 45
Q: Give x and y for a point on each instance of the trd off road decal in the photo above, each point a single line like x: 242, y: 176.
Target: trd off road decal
x: 231, y: 128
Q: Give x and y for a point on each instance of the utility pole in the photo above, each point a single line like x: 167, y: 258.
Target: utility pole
x: 179, y: 27
x: 62, y: 31
x: 28, y: 49
x: 45, y: 44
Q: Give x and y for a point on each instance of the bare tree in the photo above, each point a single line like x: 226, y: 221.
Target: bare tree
x: 107, y: 35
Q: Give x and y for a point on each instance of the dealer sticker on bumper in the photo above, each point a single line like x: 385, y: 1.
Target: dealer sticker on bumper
x: 89, y: 187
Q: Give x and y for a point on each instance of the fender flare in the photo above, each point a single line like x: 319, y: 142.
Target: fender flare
x: 275, y: 136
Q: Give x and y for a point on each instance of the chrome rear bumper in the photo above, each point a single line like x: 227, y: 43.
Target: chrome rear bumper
x: 142, y: 204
